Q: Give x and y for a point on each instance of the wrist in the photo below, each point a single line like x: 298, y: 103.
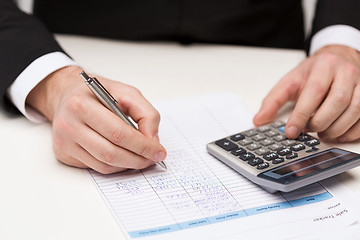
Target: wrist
x: 47, y: 94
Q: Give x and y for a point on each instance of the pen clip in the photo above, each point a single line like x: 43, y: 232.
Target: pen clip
x: 103, y: 88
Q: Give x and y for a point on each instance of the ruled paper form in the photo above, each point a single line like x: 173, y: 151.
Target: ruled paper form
x: 197, y: 192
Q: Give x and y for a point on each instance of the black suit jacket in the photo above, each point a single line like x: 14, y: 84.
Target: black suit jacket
x: 269, y: 23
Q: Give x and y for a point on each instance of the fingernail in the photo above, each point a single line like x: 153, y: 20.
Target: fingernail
x: 293, y: 132
x: 342, y: 139
x: 160, y: 156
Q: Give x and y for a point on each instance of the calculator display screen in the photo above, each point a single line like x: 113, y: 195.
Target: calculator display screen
x: 309, y: 165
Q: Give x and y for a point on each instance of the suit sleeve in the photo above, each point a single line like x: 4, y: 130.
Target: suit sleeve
x: 336, y: 12
x: 23, y: 39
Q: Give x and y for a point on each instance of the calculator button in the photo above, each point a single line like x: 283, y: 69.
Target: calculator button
x: 270, y: 156
x: 263, y: 129
x: 282, y: 129
x: 255, y: 161
x: 258, y: 137
x: 271, y: 133
x: 250, y: 133
x: 237, y: 152
x: 277, y: 124
x: 288, y: 142
x: 283, y: 151
x: 291, y: 155
x: 245, y: 142
x: 304, y: 137
x: 253, y: 146
x: 262, y: 151
x: 279, y: 138
x: 262, y: 165
x: 275, y: 146
x: 313, y: 149
x: 247, y: 156
x: 312, y: 142
x: 297, y: 147
x: 226, y: 144
x: 266, y: 142
x: 237, y: 137
x: 278, y: 160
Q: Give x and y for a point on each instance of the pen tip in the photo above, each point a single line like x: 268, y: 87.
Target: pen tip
x: 162, y: 164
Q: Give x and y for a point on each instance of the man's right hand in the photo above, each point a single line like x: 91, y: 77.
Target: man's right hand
x: 87, y: 134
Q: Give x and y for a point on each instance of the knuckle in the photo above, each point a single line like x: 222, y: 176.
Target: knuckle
x: 143, y: 149
x: 316, y: 125
x: 108, y: 157
x: 341, y: 98
x: 355, y: 106
x: 75, y: 104
x: 328, y: 58
x: 351, y: 69
x: 117, y: 136
x: 318, y: 88
x: 299, y: 115
x: 155, y: 116
x: 61, y: 124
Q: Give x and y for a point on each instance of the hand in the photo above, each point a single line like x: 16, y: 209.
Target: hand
x: 326, y: 89
x: 87, y: 134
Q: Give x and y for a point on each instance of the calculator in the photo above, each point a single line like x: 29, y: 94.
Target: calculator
x: 268, y: 158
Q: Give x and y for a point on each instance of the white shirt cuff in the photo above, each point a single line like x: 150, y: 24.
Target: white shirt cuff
x: 336, y: 35
x: 31, y: 76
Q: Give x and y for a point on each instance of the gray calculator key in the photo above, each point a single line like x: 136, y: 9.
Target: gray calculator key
x: 288, y: 142
x: 271, y: 133
x: 266, y: 142
x: 277, y: 124
x: 258, y: 137
x: 279, y: 138
x: 226, y: 144
x: 255, y: 161
x: 250, y: 133
x: 263, y: 129
x: 275, y: 146
x: 262, y: 151
x: 253, y: 146
x: 245, y: 142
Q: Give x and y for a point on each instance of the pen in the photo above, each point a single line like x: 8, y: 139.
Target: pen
x: 108, y: 100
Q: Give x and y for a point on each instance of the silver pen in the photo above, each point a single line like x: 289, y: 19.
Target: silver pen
x: 108, y: 100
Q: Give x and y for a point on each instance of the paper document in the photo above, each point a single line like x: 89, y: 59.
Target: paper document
x: 200, y: 197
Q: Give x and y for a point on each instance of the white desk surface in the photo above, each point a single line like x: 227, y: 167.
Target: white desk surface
x: 44, y: 199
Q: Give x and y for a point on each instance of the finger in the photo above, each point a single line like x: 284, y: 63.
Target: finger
x: 141, y: 111
x: 89, y: 161
x: 69, y: 152
x: 352, y: 134
x: 285, y: 90
x: 109, y: 153
x: 310, y: 98
x: 336, y: 102
x: 111, y: 127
